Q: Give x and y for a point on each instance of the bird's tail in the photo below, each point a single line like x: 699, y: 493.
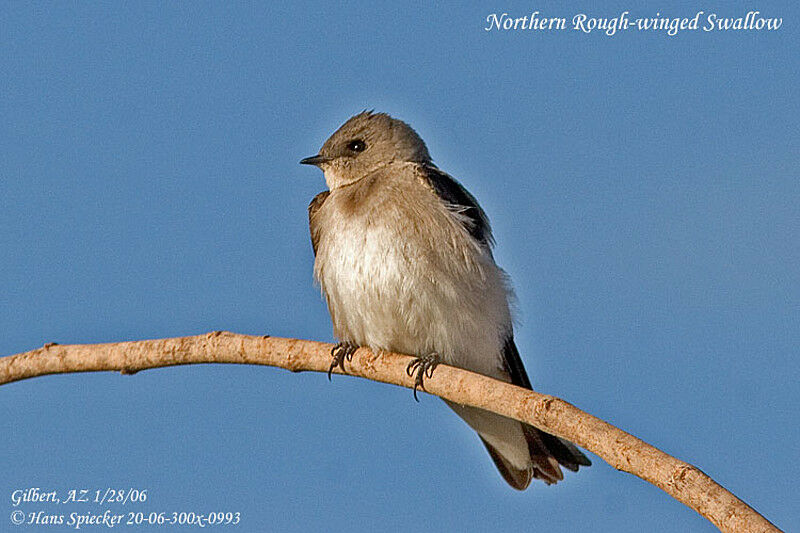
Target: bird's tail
x: 521, y: 452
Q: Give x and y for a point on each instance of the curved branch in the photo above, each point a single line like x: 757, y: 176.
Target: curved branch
x: 621, y: 450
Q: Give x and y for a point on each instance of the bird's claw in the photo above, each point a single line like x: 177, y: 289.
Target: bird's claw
x: 340, y: 352
x: 420, y: 368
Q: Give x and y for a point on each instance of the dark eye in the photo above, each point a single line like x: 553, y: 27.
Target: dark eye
x: 357, y: 146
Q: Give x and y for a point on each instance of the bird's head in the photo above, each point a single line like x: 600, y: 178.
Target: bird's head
x: 365, y: 143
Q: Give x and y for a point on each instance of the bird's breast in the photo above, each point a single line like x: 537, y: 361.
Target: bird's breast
x: 366, y: 275
x: 401, y: 287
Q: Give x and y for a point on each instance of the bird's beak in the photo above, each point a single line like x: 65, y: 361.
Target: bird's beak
x: 315, y: 160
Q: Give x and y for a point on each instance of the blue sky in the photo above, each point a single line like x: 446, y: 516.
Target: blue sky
x: 643, y: 190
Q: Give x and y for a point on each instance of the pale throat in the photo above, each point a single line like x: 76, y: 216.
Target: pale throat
x: 337, y: 177
x: 333, y: 178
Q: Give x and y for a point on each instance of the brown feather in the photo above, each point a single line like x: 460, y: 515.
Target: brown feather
x: 518, y: 479
x: 540, y: 443
x: 313, y: 207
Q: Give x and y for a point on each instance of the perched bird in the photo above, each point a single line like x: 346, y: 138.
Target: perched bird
x: 403, y: 256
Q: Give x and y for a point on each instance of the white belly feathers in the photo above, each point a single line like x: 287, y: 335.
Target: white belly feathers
x: 412, y: 288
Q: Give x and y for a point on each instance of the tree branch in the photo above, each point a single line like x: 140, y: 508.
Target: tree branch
x: 621, y: 450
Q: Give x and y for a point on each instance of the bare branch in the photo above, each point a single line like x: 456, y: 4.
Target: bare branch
x: 621, y: 450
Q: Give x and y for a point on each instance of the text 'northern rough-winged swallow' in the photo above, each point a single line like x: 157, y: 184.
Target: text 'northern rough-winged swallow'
x: 403, y: 255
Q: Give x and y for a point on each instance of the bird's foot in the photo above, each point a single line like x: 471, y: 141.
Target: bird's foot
x: 340, y: 352
x: 420, y: 368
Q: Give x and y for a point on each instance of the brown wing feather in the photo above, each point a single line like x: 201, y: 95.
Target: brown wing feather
x: 540, y: 444
x: 313, y: 207
x: 458, y: 199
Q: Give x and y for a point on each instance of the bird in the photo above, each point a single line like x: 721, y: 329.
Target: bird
x: 403, y: 256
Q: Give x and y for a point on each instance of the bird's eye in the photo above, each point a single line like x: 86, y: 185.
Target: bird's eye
x: 357, y: 146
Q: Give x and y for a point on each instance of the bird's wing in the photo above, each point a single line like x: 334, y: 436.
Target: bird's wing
x: 566, y: 453
x: 313, y: 227
x: 514, y: 366
x: 460, y: 202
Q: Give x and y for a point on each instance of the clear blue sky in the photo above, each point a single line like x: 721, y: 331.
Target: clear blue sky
x: 644, y: 192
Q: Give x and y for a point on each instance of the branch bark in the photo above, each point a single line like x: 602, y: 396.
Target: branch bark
x: 623, y: 451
